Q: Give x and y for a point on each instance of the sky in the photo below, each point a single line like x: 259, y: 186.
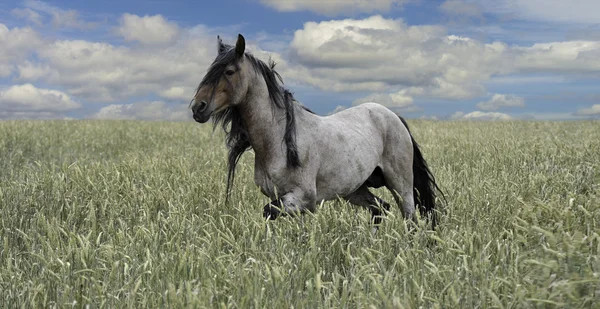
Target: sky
x: 428, y: 59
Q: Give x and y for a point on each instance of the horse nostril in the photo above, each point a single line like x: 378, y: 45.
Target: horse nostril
x: 200, y: 107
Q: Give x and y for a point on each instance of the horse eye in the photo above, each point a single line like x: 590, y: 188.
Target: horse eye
x: 229, y: 72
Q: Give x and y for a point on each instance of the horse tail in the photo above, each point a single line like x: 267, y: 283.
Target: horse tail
x: 424, y: 185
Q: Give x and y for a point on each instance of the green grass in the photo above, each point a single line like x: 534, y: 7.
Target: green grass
x: 132, y: 214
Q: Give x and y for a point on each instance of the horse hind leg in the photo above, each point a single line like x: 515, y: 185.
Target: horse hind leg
x: 364, y: 198
x: 400, y: 183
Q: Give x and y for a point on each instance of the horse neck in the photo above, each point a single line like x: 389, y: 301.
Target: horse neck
x: 264, y: 121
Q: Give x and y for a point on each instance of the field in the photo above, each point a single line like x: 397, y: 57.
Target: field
x: 132, y: 214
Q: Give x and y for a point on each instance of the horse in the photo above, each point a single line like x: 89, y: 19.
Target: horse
x: 301, y: 158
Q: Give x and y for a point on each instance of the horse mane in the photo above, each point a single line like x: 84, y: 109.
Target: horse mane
x: 237, y: 137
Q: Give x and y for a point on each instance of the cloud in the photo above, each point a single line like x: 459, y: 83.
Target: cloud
x: 378, y: 54
x: 593, y: 110
x: 382, y: 55
x: 338, y: 109
x: 16, y: 45
x: 29, y: 15
x: 149, y: 30
x: 27, y: 101
x: 559, y: 57
x: 479, y: 115
x: 177, y: 93
x: 498, y: 101
x: 101, y: 72
x: 399, y: 99
x: 156, y: 110
x: 396, y: 64
x: 331, y: 8
x: 35, y: 10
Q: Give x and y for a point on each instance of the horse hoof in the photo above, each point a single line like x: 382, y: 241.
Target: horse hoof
x: 270, y: 212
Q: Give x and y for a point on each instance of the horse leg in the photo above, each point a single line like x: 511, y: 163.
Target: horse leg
x: 400, y: 185
x: 364, y: 198
x: 292, y: 203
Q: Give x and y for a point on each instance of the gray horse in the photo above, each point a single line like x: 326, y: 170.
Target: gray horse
x: 302, y: 158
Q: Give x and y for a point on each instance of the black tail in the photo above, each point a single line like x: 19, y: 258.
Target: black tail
x: 424, y: 182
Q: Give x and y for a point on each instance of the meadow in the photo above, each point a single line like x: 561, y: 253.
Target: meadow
x: 132, y: 214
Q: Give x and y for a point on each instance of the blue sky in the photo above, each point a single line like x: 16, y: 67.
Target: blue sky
x: 451, y: 59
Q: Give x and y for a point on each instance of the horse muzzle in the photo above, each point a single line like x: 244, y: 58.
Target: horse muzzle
x: 201, y: 112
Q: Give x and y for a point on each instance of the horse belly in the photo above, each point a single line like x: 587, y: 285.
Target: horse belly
x: 344, y: 175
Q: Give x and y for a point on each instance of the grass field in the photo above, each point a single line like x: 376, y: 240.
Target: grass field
x: 132, y: 214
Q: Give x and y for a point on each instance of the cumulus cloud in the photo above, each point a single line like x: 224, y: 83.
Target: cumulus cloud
x: 479, y: 115
x: 378, y: 54
x: 177, y: 93
x: 27, y: 101
x: 157, y: 110
x: 593, y: 110
x: 399, y: 99
x: 102, y: 72
x: 331, y: 8
x: 498, y: 101
x: 373, y: 55
x: 559, y: 57
x: 150, y: 30
x: 16, y: 45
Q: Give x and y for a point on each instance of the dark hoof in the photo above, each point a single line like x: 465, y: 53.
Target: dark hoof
x: 270, y: 212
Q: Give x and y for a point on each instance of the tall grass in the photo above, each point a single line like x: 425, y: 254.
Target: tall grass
x: 132, y: 214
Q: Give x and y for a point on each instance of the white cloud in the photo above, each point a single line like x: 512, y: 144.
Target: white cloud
x: 103, y: 72
x: 498, y: 101
x: 399, y: 99
x: 593, y: 110
x: 27, y: 99
x: 15, y: 45
x: 562, y: 57
x: 177, y: 93
x: 479, y: 115
x: 372, y: 55
x: 337, y: 109
x: 334, y: 7
x: 150, y: 30
x: 378, y: 54
x: 59, y: 18
x: 29, y: 15
x: 156, y: 110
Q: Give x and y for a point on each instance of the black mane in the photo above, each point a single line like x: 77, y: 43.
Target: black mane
x: 237, y: 136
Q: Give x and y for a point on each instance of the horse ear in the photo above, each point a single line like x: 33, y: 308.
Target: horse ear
x: 240, y: 46
x: 220, y: 45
